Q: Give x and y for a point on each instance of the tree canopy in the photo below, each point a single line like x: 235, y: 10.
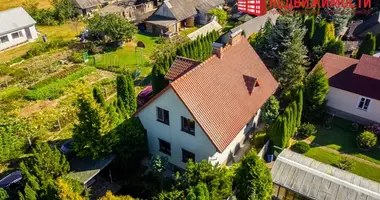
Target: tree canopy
x: 220, y: 14
x: 315, y: 92
x: 368, y: 46
x: 271, y: 110
x: 111, y: 28
x: 253, y: 179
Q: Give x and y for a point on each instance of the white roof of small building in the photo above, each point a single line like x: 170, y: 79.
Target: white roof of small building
x: 317, y: 180
x: 14, y: 19
x: 212, y: 26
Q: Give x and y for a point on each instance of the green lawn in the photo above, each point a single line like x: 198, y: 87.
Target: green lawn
x: 359, y: 168
x: 126, y: 57
x: 187, y: 31
x: 342, y: 138
x: 7, y: 4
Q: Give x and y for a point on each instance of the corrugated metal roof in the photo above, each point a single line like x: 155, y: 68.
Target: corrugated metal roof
x: 212, y: 26
x: 14, y: 19
x: 254, y: 25
x: 317, y: 180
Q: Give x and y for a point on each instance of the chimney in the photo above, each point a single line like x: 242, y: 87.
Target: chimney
x: 235, y: 37
x: 217, y: 49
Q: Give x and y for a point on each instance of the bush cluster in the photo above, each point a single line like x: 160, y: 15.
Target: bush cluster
x: 56, y: 88
x: 345, y: 164
x: 76, y: 57
x: 307, y: 130
x: 41, y: 47
x: 300, y: 147
x: 259, y: 139
x: 366, y: 140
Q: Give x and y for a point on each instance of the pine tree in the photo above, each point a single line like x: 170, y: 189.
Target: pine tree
x: 330, y: 31
x: 316, y: 89
x: 98, y: 96
x: 30, y: 194
x: 158, y: 78
x: 320, y: 36
x: 200, y: 192
x: 295, y: 117
x: 335, y: 47
x: 284, y: 130
x: 93, y: 135
x: 271, y: 110
x: 339, y: 16
x: 131, y: 94
x: 310, y: 26
x: 368, y: 46
x: 3, y: 194
x: 253, y: 179
x: 299, y: 106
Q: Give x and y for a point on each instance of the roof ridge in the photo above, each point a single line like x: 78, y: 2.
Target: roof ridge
x: 185, y: 58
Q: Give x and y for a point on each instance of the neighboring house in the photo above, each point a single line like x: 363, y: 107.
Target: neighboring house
x: 297, y: 177
x: 16, y: 27
x: 85, y: 7
x: 354, y: 87
x: 136, y: 13
x: 252, y: 26
x: 208, y: 109
x: 358, y: 29
x: 212, y: 26
x: 172, y: 15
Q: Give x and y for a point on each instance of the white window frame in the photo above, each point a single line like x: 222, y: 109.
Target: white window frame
x: 365, y: 99
x: 6, y: 36
x: 19, y: 34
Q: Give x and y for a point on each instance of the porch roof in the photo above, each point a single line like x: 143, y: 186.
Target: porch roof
x: 160, y: 20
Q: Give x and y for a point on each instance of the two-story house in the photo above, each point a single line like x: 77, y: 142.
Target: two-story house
x: 354, y: 87
x: 208, y: 109
x: 16, y: 27
x: 172, y: 15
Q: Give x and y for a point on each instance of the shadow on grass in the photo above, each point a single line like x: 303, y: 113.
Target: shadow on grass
x: 342, y: 137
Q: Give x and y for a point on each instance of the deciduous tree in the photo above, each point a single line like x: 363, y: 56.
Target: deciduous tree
x: 220, y: 14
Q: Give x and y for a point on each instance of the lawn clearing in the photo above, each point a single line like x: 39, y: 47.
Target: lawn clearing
x: 126, y: 57
x: 67, y: 31
x: 15, y: 52
x: 359, y: 168
x: 342, y: 138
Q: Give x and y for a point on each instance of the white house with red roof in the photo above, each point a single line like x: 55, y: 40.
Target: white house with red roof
x: 208, y: 108
x: 354, y: 87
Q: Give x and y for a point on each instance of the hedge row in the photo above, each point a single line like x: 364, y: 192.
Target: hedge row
x: 56, y: 88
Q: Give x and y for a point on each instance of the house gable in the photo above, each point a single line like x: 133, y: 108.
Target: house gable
x: 164, y: 11
x: 199, y: 143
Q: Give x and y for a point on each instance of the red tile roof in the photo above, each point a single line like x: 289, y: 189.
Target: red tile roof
x: 180, y: 66
x: 224, y: 94
x: 356, y: 76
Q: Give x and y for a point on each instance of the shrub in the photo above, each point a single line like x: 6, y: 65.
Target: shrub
x: 366, y: 140
x: 344, y: 164
x: 76, y: 57
x: 11, y: 94
x: 41, y: 47
x: 259, y: 139
x: 373, y: 128
x: 307, y: 130
x: 301, y: 147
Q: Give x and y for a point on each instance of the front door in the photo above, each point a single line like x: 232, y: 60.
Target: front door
x: 28, y: 34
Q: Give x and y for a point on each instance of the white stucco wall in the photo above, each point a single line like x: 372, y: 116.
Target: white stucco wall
x: 348, y: 102
x: 13, y: 42
x: 199, y: 144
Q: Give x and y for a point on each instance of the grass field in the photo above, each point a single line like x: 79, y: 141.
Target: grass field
x: 66, y: 31
x: 359, y: 168
x: 7, y: 4
x: 340, y: 137
x: 126, y: 57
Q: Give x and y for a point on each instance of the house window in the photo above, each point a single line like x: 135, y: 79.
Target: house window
x: 186, y: 155
x: 165, y: 147
x: 364, y: 103
x: 188, y: 125
x: 16, y: 35
x: 162, y: 115
x: 4, y: 39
